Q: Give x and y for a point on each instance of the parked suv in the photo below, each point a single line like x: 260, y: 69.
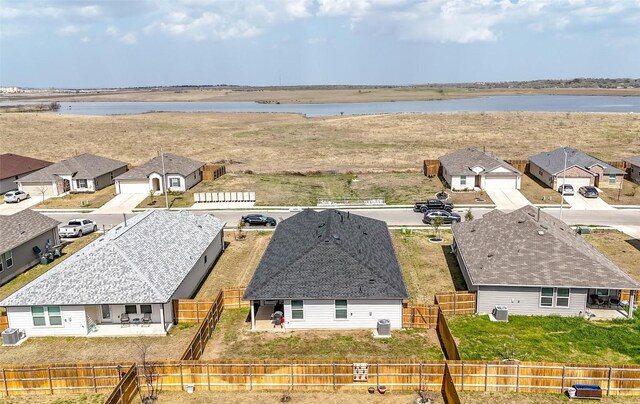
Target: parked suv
x: 432, y: 204
x: 78, y: 228
x: 588, y: 192
x: 447, y: 217
x: 263, y: 220
x: 15, y: 196
x: 568, y: 189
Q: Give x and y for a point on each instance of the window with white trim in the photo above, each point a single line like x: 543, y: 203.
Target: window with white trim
x: 297, y: 310
x: 174, y: 182
x: 562, y: 297
x: 341, y: 309
x: 546, y: 297
x: 463, y: 180
x: 555, y: 297
x: 612, y: 178
x: 131, y: 309
x: 81, y: 183
x: 55, y: 315
x: 145, y: 308
x: 8, y: 258
x: 37, y: 313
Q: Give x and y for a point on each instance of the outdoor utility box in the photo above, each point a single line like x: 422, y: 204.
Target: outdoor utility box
x: 384, y: 327
x: 591, y: 391
x: 10, y: 336
x: 584, y: 230
x: 501, y: 313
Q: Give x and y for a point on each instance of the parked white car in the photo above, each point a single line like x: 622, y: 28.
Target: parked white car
x: 78, y: 228
x: 15, y: 196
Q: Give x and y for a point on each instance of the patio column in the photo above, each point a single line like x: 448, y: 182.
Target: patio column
x: 253, y: 316
x: 162, y: 317
x: 632, y: 294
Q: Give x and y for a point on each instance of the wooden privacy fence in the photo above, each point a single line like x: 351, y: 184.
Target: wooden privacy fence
x: 4, y: 321
x: 211, y: 172
x: 301, y: 375
x: 126, y: 391
x: 60, y: 378
x: 195, y: 310
x: 449, y: 346
x: 456, y: 302
x: 431, y: 168
x: 449, y: 392
x: 419, y: 316
x: 520, y: 165
x: 199, y: 341
x: 530, y: 377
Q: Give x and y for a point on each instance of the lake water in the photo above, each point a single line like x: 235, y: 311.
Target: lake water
x: 539, y: 103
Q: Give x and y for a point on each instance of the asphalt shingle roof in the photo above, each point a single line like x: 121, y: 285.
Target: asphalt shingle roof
x: 173, y: 164
x: 23, y: 226
x: 83, y: 166
x: 635, y: 160
x: 460, y: 162
x: 14, y: 164
x: 553, y: 161
x: 518, y: 249
x: 143, y: 262
x: 328, y: 255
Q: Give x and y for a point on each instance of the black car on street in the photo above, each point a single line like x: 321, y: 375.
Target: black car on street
x: 432, y: 204
x: 258, y: 220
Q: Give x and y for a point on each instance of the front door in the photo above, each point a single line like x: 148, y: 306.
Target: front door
x: 155, y: 184
x: 478, y: 181
x: 105, y: 311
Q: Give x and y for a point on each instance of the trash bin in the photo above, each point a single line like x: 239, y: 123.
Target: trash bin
x: 571, y: 392
x: 191, y: 388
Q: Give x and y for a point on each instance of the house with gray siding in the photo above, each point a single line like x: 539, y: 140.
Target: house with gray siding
x: 533, y: 263
x: 81, y: 173
x: 473, y: 168
x: 124, y: 282
x: 634, y: 168
x: 171, y: 171
x: 582, y: 169
x: 14, y: 167
x: 22, y: 236
x: 329, y: 270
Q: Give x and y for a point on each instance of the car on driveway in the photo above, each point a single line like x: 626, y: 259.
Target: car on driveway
x: 15, y: 196
x: 258, y: 220
x: 78, y: 228
x: 588, y: 192
x: 447, y: 217
x: 568, y: 189
x: 432, y: 204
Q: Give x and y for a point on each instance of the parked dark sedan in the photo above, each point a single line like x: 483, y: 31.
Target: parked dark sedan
x: 258, y: 220
x: 447, y: 217
x: 588, y: 192
x: 432, y: 204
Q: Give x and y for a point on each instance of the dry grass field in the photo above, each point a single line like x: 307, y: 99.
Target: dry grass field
x: 479, y: 397
x: 629, y: 194
x: 71, y: 398
x: 274, y: 143
x: 536, y: 192
x: 623, y: 250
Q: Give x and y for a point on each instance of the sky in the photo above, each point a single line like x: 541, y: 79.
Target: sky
x: 127, y: 43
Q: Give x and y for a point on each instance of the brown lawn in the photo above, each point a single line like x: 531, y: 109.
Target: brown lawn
x: 80, y: 200
x: 71, y: 398
x: 273, y: 143
x: 478, y: 397
x: 537, y: 192
x: 623, y: 250
x: 629, y: 194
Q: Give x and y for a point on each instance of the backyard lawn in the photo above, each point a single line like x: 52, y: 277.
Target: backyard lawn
x: 548, y: 339
x: 232, y: 339
x: 26, y: 277
x: 427, y: 267
x: 80, y: 200
x: 623, y: 250
x: 538, y: 193
x: 82, y: 398
x: 628, y: 195
x: 479, y: 397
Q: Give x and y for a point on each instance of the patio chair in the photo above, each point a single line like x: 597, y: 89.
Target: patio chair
x: 124, y: 319
x: 596, y: 300
x: 146, y: 319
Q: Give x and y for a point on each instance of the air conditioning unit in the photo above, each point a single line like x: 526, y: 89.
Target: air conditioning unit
x: 501, y: 313
x: 384, y: 328
x: 11, y: 336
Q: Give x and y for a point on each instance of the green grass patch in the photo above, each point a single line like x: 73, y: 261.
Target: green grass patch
x: 549, y: 339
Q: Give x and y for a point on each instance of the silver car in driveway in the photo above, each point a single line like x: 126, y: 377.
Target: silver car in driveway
x: 568, y: 190
x: 15, y: 196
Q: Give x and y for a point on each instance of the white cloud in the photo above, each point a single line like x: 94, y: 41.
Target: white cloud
x: 127, y: 38
x: 71, y: 29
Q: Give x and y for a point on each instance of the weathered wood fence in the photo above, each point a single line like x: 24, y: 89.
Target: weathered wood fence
x: 127, y: 389
x: 199, y: 341
x: 419, y: 315
x: 449, y: 346
x: 456, y: 302
x: 195, y: 310
x: 449, y: 392
x: 520, y: 165
x: 431, y: 168
x: 4, y: 321
x: 211, y: 172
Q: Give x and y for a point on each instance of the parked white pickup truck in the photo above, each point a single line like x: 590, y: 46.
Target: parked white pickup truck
x: 77, y: 228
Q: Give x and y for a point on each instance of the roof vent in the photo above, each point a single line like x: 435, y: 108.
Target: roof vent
x: 472, y: 230
x: 531, y: 214
x: 372, y: 281
x: 490, y: 255
x: 335, y: 237
x: 541, y: 232
x: 521, y: 221
x: 544, y: 227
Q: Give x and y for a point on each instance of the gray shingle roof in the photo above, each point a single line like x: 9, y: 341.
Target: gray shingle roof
x: 328, y: 255
x: 460, y: 162
x: 83, y: 166
x: 507, y: 249
x: 553, y: 161
x: 23, y: 226
x: 635, y: 160
x: 144, y: 262
x: 173, y: 164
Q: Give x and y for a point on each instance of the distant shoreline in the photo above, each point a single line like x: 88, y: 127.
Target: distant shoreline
x: 21, y: 108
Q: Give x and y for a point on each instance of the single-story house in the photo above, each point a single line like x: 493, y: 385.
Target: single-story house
x: 533, y: 263
x: 82, y: 173
x: 472, y: 168
x: 634, y: 170
x: 180, y: 174
x: 129, y: 275
x: 15, y: 166
x: 329, y: 270
x: 23, y: 236
x: 582, y: 169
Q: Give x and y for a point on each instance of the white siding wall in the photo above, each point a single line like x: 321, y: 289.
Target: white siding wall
x: 320, y: 314
x: 181, y: 188
x: 634, y: 173
x: 193, y: 178
x: 526, y: 301
x: 74, y: 321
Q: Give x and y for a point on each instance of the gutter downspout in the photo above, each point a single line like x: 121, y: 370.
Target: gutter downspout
x: 632, y: 294
x: 253, y: 316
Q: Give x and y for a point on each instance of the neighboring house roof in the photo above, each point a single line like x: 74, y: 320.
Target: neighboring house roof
x: 83, y: 166
x: 12, y: 165
x: 142, y: 262
x: 553, y: 161
x: 328, y: 255
x: 529, y: 247
x: 173, y: 164
x: 461, y: 162
x: 23, y: 226
x: 635, y: 160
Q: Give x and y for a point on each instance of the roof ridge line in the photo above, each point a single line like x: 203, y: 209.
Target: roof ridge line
x: 135, y: 268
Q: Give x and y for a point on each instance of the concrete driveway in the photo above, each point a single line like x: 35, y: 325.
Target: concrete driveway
x: 122, y: 203
x: 578, y: 201
x: 507, y: 199
x: 11, y: 208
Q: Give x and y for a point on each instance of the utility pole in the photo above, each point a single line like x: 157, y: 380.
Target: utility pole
x: 564, y: 177
x: 164, y: 180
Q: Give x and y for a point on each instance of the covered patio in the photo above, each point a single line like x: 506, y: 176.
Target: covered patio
x: 262, y: 316
x: 608, y: 304
x: 131, y: 330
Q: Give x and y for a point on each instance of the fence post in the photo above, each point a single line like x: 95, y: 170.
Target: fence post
x: 292, y: 376
x: 377, y: 376
x: 181, y: 378
x: 95, y: 384
x: 251, y: 377
x: 420, y: 380
x: 462, y: 378
x: 562, y: 386
x: 334, y: 376
x: 50, y: 383
x: 208, y: 377
x: 455, y: 302
x: 486, y: 376
x: 518, y: 379
x: 609, y: 381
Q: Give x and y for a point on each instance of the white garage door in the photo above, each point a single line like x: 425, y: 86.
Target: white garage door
x: 500, y: 182
x: 39, y: 189
x: 575, y: 182
x: 133, y: 187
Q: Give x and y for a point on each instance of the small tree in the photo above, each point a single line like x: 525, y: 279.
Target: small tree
x: 437, y: 222
x: 42, y: 189
x: 240, y: 235
x: 149, y: 373
x: 468, y: 216
x: 152, y: 198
